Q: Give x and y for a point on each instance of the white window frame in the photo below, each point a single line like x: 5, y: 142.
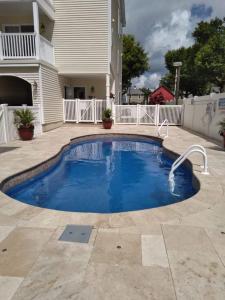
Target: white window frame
x: 16, y: 25
x: 79, y: 86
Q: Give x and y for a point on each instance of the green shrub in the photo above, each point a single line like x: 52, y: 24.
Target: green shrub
x: 107, y: 114
x: 23, y: 118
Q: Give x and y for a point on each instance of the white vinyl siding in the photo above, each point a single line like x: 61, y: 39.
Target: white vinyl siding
x: 51, y: 95
x: 81, y: 36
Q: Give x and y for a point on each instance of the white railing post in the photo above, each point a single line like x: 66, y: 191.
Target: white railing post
x: 5, y: 122
x: 1, y: 47
x: 36, y: 28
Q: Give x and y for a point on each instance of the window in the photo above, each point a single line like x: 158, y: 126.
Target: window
x: 26, y: 28
x: 79, y: 92
x: 75, y: 93
x: 18, y: 28
x: 12, y: 29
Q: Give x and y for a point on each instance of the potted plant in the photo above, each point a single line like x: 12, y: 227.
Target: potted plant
x: 107, y: 118
x: 222, y: 130
x: 23, y: 119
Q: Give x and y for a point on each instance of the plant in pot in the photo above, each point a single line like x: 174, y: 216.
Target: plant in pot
x: 23, y: 119
x: 107, y: 118
x: 222, y: 130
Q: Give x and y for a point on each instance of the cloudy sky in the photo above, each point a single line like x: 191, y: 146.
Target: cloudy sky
x: 161, y: 25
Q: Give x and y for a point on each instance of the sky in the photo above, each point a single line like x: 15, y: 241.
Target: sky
x: 162, y: 25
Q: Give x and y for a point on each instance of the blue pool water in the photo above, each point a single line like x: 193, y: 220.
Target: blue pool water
x: 107, y: 175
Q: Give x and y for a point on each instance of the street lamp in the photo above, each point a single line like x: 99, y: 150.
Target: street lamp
x: 178, y: 66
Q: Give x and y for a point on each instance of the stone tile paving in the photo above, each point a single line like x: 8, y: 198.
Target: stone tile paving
x: 173, y: 252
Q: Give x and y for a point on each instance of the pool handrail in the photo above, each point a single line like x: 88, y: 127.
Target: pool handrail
x: 164, y: 123
x: 192, y: 149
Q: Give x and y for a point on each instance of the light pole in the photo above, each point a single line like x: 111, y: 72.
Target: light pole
x: 178, y: 66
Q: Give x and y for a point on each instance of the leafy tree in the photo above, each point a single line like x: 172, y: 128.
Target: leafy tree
x: 146, y: 92
x: 203, y: 63
x: 210, y: 59
x: 205, y: 30
x: 135, y: 60
x: 168, y: 81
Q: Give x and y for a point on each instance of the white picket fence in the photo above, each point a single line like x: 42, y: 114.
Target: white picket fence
x: 83, y: 110
x: 8, y: 131
x: 91, y: 111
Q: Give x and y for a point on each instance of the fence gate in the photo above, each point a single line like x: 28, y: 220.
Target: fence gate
x: 85, y: 111
x: 147, y: 114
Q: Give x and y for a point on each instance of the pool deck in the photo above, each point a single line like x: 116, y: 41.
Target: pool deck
x: 173, y: 252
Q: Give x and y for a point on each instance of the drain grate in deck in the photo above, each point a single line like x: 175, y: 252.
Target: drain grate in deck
x: 76, y: 234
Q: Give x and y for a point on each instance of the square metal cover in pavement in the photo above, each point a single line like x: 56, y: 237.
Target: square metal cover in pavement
x: 76, y: 234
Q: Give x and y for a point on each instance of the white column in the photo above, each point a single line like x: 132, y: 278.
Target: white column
x: 36, y: 28
x: 108, y: 90
x: 1, y: 50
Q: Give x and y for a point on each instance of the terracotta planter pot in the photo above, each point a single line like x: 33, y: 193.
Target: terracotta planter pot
x: 26, y: 134
x: 107, y: 124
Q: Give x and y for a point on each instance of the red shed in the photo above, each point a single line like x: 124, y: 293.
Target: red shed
x: 161, y: 95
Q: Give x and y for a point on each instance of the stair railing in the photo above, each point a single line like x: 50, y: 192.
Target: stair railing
x: 192, y: 149
x: 164, y: 123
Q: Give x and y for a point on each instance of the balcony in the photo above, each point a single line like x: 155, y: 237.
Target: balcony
x: 26, y: 30
x: 25, y: 46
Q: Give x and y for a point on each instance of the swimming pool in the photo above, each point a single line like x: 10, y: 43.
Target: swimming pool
x: 107, y: 174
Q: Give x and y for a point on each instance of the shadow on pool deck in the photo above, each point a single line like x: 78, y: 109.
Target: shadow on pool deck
x: 7, y: 149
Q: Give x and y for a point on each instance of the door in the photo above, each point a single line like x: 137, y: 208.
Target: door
x: 79, y: 93
x: 69, y: 92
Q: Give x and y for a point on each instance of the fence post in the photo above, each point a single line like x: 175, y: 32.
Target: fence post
x: 77, y: 110
x: 138, y: 114
x: 64, y: 117
x: 157, y: 115
x: 95, y: 113
x: 39, y: 119
x: 5, y: 122
x: 114, y: 112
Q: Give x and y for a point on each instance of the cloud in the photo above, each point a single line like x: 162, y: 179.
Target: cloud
x: 172, y: 35
x: 160, y: 26
x: 147, y: 80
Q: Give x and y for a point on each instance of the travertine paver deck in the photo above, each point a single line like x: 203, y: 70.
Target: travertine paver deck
x: 173, y: 252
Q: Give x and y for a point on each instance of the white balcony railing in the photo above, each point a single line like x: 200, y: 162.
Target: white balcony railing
x: 46, y: 50
x: 18, y: 45
x: 25, y: 46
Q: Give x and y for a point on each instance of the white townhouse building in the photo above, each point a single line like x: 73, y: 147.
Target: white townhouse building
x: 55, y: 49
